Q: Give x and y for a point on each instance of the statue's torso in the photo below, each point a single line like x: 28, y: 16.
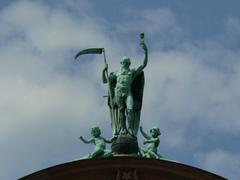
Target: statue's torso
x: 99, y: 142
x: 153, y: 146
x: 124, y: 82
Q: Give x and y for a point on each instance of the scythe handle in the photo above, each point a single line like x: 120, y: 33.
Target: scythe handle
x: 109, y: 85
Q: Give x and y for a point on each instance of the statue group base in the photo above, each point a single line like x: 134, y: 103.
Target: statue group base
x: 125, y: 144
x: 122, y: 168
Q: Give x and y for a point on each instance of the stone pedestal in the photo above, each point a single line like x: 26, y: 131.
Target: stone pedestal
x: 122, y: 168
x: 125, y: 144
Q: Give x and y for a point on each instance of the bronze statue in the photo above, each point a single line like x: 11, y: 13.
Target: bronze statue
x: 100, y: 144
x: 125, y: 94
x: 153, y: 142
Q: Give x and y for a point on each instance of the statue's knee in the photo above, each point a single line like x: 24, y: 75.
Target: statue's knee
x: 121, y: 109
x: 129, y: 111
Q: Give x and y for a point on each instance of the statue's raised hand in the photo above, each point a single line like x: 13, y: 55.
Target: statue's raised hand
x: 144, y: 46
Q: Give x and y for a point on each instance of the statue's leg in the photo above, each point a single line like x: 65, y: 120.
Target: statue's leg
x: 114, y: 118
x: 153, y: 155
x: 136, y: 121
x: 107, y: 153
x: 97, y: 153
x: 130, y: 114
x: 142, y: 153
x: 122, y: 118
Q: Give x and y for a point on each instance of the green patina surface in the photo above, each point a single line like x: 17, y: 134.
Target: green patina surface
x: 125, y: 94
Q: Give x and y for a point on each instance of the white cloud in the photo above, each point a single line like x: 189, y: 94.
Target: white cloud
x: 41, y: 90
x: 157, y: 20
x: 191, y: 89
x: 221, y: 162
x: 45, y: 97
x: 233, y: 25
x: 159, y: 24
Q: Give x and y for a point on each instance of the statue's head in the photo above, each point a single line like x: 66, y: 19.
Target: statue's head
x: 155, y: 132
x: 96, y: 132
x: 125, y: 61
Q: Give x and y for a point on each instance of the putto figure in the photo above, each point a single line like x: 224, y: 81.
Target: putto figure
x: 153, y: 142
x: 100, y: 144
x: 125, y: 94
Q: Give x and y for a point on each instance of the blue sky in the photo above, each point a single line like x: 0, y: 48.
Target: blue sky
x: 192, y: 80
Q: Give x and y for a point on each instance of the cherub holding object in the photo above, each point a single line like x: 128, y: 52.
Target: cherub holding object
x: 153, y: 142
x: 100, y: 144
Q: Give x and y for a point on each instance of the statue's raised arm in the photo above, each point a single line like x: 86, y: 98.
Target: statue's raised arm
x: 145, y: 61
x: 145, y: 135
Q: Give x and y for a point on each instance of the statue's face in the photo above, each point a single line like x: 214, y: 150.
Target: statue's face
x: 125, y: 62
x: 154, y: 133
x: 96, y: 132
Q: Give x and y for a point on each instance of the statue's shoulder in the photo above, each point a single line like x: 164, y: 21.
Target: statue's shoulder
x: 114, y: 73
x: 133, y: 70
x: 117, y: 72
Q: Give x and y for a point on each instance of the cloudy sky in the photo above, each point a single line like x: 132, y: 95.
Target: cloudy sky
x: 192, y: 89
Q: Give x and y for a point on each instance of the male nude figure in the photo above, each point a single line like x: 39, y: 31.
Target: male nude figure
x: 123, y: 97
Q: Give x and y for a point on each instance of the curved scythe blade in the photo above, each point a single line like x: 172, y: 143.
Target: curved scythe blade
x: 89, y: 51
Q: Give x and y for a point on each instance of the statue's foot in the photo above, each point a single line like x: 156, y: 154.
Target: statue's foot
x: 115, y: 135
x: 124, y: 131
x: 130, y: 131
